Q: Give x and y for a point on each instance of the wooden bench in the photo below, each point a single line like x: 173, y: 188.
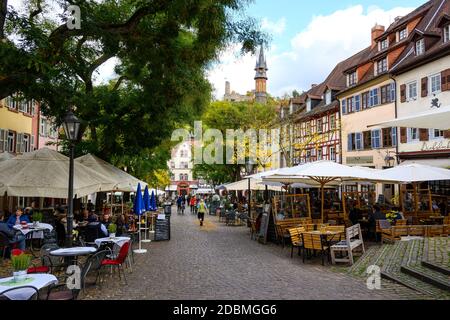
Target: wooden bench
x: 394, y: 233
x: 296, y: 239
x: 353, y: 240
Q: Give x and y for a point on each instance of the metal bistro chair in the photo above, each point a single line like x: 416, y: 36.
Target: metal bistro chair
x: 49, y: 263
x: 4, y: 244
x: 230, y: 218
x: 119, y: 261
x: 34, y: 296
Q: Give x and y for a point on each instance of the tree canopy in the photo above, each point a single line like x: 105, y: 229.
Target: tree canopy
x: 162, y: 48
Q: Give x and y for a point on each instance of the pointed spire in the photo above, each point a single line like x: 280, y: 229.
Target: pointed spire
x: 261, y: 65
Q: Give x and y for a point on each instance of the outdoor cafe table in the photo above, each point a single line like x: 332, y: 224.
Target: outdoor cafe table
x: 328, y: 236
x: 117, y: 240
x: 37, y: 280
x: 73, y: 252
x: 37, y: 230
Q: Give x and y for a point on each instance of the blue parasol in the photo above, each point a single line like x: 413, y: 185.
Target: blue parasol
x: 147, y: 203
x: 153, y: 206
x: 139, y: 207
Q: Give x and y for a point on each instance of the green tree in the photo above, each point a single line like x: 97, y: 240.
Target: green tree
x: 224, y: 115
x: 163, y: 48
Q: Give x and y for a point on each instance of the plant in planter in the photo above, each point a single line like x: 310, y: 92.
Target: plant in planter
x: 20, y: 262
x: 37, y: 216
x: 112, y: 228
x: 391, y: 217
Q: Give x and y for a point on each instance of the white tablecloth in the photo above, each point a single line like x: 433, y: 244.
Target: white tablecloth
x: 117, y: 240
x: 73, y: 252
x: 40, y: 280
x: 38, y: 231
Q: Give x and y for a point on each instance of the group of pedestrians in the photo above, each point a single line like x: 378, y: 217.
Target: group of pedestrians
x: 196, y: 206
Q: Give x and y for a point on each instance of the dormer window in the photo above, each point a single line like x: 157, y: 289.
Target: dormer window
x: 384, y: 44
x: 420, y: 47
x: 446, y: 33
x: 382, y: 66
x: 328, y: 97
x: 352, y: 79
x: 403, y: 34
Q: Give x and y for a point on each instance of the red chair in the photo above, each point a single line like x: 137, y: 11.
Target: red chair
x: 119, y: 261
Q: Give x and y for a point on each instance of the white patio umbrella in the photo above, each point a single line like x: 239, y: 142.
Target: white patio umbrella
x: 255, y: 185
x: 45, y: 173
x: 123, y: 181
x: 414, y: 173
x: 438, y: 118
x: 323, y: 173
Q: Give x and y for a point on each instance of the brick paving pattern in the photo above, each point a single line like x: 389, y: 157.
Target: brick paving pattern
x: 220, y: 262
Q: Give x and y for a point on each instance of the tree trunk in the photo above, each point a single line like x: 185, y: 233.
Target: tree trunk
x: 3, y: 11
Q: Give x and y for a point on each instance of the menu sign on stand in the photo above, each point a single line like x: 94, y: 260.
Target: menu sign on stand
x: 162, y: 227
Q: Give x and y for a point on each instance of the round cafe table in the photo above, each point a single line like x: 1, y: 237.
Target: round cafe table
x: 73, y: 252
x: 37, y: 230
x: 37, y: 280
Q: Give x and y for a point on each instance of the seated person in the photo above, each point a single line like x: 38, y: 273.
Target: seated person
x: 14, y: 237
x: 354, y: 215
x: 18, y: 218
x: 106, y: 220
x: 94, y: 223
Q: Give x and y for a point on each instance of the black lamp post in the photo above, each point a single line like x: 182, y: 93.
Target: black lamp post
x: 72, y: 130
x: 249, y: 170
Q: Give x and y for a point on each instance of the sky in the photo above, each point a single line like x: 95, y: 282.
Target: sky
x: 308, y: 38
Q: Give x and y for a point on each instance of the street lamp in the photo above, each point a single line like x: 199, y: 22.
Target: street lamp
x: 71, y: 127
x: 249, y: 170
x: 389, y: 160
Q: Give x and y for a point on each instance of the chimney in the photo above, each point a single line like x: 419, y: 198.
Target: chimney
x: 227, y: 88
x: 376, y: 32
x: 313, y: 85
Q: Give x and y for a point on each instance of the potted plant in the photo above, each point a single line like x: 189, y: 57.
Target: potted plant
x: 37, y: 217
x: 112, y: 228
x: 391, y: 216
x: 20, y: 263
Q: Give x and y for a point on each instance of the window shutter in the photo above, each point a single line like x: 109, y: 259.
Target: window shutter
x: 424, y: 87
x: 350, y: 142
x: 2, y: 140
x: 445, y: 80
x: 424, y: 134
x: 403, y: 93
x: 447, y: 134
x: 403, y: 135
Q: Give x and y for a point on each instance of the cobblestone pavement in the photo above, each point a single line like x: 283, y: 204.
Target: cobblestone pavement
x: 219, y: 262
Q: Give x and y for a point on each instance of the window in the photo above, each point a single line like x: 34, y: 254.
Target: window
x: 357, y: 103
x: 22, y: 106
x: 11, y: 142
x: 308, y: 105
x: 436, y: 134
x: 358, y: 141
x: 393, y: 92
x: 394, y: 136
x: 319, y: 125
x: 411, y: 91
x: 181, y: 177
x: 435, y: 83
x: 344, y: 106
x: 413, y: 135
x: 420, y: 47
x: 333, y: 122
x: 384, y: 44
x: 351, y: 142
x: 374, y: 98
x: 328, y: 97
x: 382, y: 66
x: 11, y: 102
x: 320, y: 154
x: 352, y: 79
x: 446, y: 33
x: 3, y: 140
x: 351, y: 104
x: 403, y: 34
x: 376, y: 143
x: 385, y: 94
x: 43, y: 127
x: 367, y: 137
x: 387, y: 137
x: 172, y: 164
x: 26, y: 143
x: 332, y: 153
x: 365, y: 100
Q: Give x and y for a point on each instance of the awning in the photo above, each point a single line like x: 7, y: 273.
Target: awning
x: 193, y: 186
x: 440, y: 163
x: 438, y: 118
x: 172, y: 188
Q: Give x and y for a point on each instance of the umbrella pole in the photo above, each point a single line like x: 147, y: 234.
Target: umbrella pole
x: 416, y: 211
x: 140, y: 250
x: 146, y: 240
x: 323, y: 197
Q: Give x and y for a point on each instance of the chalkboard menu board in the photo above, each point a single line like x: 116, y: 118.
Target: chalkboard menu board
x: 162, y: 227
x: 262, y: 236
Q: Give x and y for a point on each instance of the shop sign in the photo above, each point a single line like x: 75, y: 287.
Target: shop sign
x: 435, y: 146
x: 360, y: 160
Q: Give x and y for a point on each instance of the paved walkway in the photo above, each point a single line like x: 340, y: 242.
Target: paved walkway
x: 219, y: 262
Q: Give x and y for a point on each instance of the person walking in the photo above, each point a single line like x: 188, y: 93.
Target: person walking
x: 179, y: 201
x: 201, y: 210
x: 192, y: 204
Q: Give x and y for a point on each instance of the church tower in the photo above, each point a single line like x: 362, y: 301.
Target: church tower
x: 261, y: 78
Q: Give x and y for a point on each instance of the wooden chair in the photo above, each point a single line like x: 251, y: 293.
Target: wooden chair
x: 335, y: 228
x: 296, y: 239
x: 309, y: 227
x: 394, y: 234
x: 447, y: 220
x: 314, y: 242
x: 402, y: 222
x: 380, y: 226
x: 446, y: 231
x: 353, y: 240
